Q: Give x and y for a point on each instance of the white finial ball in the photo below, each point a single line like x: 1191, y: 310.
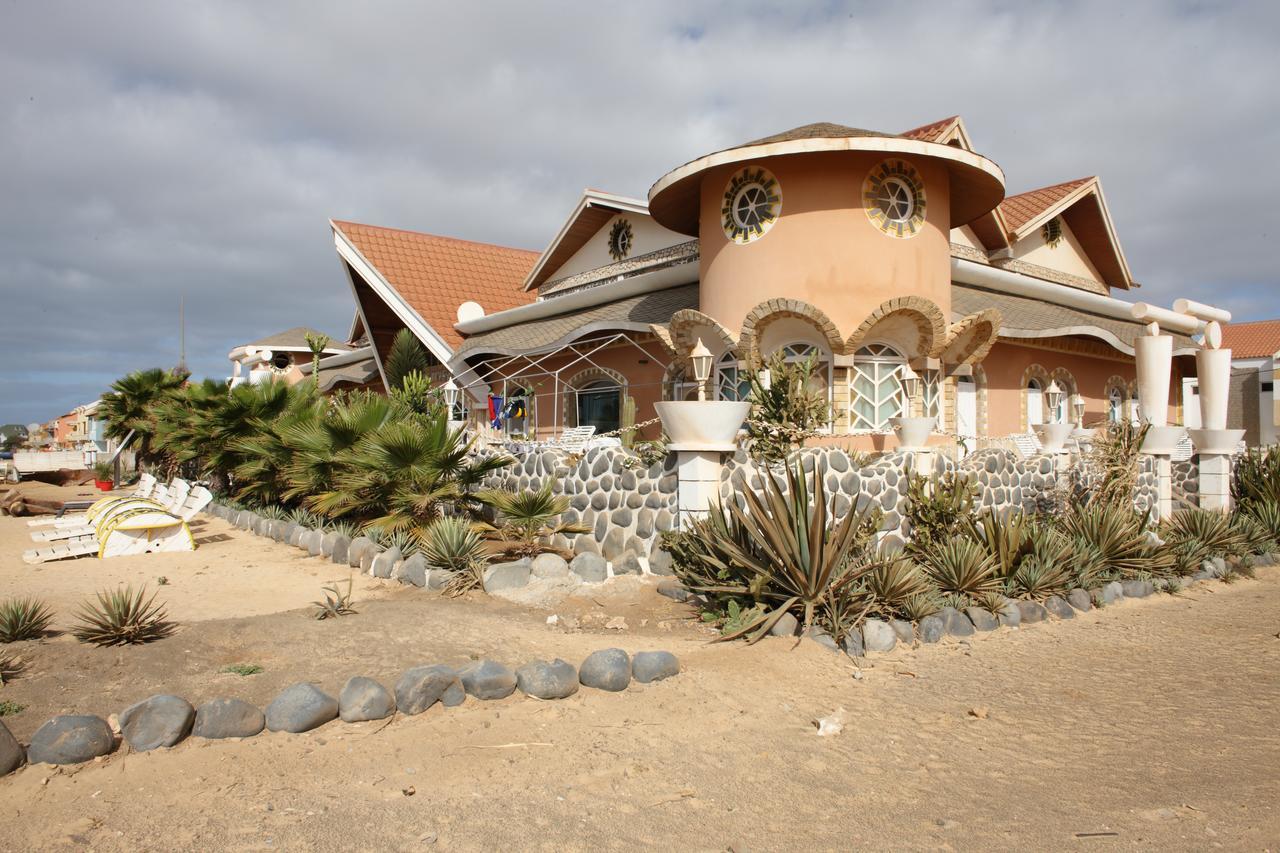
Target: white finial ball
x: 469, y: 311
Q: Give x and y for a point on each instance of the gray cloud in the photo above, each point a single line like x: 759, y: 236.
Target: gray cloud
x: 151, y: 150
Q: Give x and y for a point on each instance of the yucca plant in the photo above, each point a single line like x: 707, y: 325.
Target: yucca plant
x: 1256, y: 479
x: 303, y: 517
x: 452, y: 544
x: 892, y: 581
x: 1266, y: 513
x: 1114, y: 463
x: 779, y: 549
x: 122, y: 617
x: 1036, y: 577
x: 23, y: 619
x: 919, y: 606
x: 1117, y: 537
x: 1194, y: 535
x: 527, y: 520
x: 960, y: 566
x: 992, y: 602
x: 11, y: 666
x: 1257, y: 538
x: 336, y: 602
x: 1003, y: 537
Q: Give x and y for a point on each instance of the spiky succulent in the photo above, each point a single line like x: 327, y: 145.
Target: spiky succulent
x: 122, y: 617
x: 23, y: 619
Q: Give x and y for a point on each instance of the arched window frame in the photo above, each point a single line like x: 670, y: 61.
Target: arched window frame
x: 1034, y: 394
x: 598, y: 385
x: 876, y: 377
x: 1115, y: 405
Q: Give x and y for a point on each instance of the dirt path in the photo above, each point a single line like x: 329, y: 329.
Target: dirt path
x: 1155, y: 720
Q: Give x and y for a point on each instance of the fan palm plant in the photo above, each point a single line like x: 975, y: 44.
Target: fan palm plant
x: 262, y: 458
x: 319, y: 444
x: 131, y: 407
x: 527, y: 520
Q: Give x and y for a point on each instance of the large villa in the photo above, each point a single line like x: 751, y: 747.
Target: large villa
x: 867, y: 252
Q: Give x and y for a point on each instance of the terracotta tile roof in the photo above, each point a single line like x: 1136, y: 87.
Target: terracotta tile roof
x: 437, y: 274
x: 929, y: 132
x: 1258, y: 339
x: 1018, y: 210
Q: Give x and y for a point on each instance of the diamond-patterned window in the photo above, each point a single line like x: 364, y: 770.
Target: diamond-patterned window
x: 876, y: 387
x: 931, y: 386
x: 731, y: 380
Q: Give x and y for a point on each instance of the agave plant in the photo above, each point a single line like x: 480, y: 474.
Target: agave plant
x: 1266, y: 513
x: 779, y: 549
x: 1256, y: 479
x: 892, y: 581
x: 453, y: 544
x: 960, y: 566
x: 23, y: 619
x: 1036, y: 577
x: 1005, y: 539
x: 336, y: 602
x: 122, y: 617
x: 1257, y: 537
x: 919, y: 606
x: 1116, y: 536
x: 11, y: 666
x: 527, y: 520
x: 1194, y: 535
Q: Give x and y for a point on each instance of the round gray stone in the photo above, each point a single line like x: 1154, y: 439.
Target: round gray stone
x: 326, y: 544
x: 853, y: 645
x: 364, y: 699
x: 70, y: 739
x: 1079, y: 599
x: 542, y: 680
x: 673, y: 589
x: 341, y: 549
x: 958, y: 625
x: 1057, y: 605
x: 549, y: 566
x: 786, y: 626
x: 660, y: 562
x: 931, y: 628
x: 627, y: 564
x: 606, y: 669
x: 1032, y: 611
x: 383, y: 564
x: 412, y: 571
x: 223, y: 718
x: 822, y: 638
x: 1137, y: 589
x: 356, y: 550
x: 1111, y: 592
x: 982, y: 618
x: 878, y: 636
x: 423, y: 686
x: 654, y: 666
x: 311, y: 541
x: 592, y: 568
x: 301, y: 708
x: 488, y: 679
x: 11, y: 754
x: 162, y: 720
x: 513, y: 575
x: 905, y: 631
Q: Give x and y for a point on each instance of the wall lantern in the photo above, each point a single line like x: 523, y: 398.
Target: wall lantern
x: 1077, y: 406
x: 1053, y: 396
x: 910, y: 384
x: 451, y: 396
x: 701, y: 358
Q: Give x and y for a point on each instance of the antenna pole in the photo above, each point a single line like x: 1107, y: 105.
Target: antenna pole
x: 182, y: 332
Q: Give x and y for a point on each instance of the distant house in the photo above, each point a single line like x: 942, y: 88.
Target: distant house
x: 279, y: 355
x: 1255, y: 359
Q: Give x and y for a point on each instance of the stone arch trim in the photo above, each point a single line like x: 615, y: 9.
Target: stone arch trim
x: 986, y: 328
x: 682, y: 325
x: 927, y: 316
x: 569, y: 412
x: 1033, y: 371
x: 1061, y: 375
x: 1115, y: 383
x: 776, y: 309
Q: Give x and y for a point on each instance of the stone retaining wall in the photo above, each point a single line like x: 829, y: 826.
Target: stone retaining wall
x: 1186, y: 482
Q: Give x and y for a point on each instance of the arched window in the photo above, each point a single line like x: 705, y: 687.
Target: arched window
x: 820, y: 377
x: 876, y: 387
x: 600, y: 405
x: 1115, y: 405
x: 731, y: 380
x: 1035, y: 403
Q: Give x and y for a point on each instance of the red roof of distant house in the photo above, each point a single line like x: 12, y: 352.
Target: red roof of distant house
x: 1258, y: 339
x: 437, y: 274
x: 1018, y: 210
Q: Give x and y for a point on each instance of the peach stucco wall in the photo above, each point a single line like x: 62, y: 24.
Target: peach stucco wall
x: 823, y: 249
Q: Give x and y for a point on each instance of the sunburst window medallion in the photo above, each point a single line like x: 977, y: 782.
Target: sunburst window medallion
x: 894, y: 198
x: 752, y: 203
x: 620, y: 239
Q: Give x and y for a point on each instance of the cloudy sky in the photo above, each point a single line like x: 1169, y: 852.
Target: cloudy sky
x: 155, y: 150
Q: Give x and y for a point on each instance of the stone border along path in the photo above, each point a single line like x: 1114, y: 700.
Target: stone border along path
x: 164, y: 720
x: 878, y: 635
x: 371, y: 559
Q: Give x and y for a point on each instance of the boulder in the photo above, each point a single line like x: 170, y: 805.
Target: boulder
x: 1058, y: 606
x: 313, y: 541
x: 673, y: 589
x: 592, y: 568
x: 627, y: 564
x: 1137, y: 589
x: 1031, y: 611
x: 931, y: 628
x: 786, y: 626
x: 549, y: 566
x: 853, y: 645
x: 341, y: 550
x: 326, y: 544
x: 159, y: 721
x: 412, y: 571
x: 295, y: 538
x: 958, y: 625
x: 1109, y: 593
x: 488, y: 679
x: 1010, y: 616
x: 423, y: 686
x: 364, y: 699
x: 822, y: 638
x: 878, y: 636
x: 356, y: 550
x: 438, y: 578
x: 383, y: 564
x: 982, y: 618
x: 653, y: 666
x: 905, y: 631
x: 223, y: 718
x: 11, y: 753
x: 1079, y: 599
x: 301, y: 708
x: 507, y: 575
x: 606, y: 669
x: 542, y: 680
x: 366, y: 559
x: 660, y: 562
x: 70, y: 739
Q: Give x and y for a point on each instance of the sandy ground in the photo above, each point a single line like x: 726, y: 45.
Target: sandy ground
x: 1149, y: 724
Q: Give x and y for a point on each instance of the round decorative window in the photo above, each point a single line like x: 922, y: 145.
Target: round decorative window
x: 282, y: 362
x: 893, y: 195
x: 620, y: 240
x: 1052, y: 233
x: 752, y: 203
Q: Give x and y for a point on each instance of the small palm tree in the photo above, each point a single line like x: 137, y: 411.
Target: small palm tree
x: 527, y: 520
x: 132, y: 405
x: 320, y: 445
x: 317, y: 344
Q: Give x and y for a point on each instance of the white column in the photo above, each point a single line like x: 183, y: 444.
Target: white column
x: 1154, y: 357
x: 1215, y: 481
x: 698, y: 476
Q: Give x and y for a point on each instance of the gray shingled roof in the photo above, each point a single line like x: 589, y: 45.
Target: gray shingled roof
x: 296, y: 338
x: 1023, y: 317
x: 625, y: 313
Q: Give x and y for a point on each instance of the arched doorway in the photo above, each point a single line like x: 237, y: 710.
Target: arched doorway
x: 600, y: 405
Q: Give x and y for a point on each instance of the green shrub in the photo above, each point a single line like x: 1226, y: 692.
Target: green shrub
x: 9, y: 708
x: 528, y: 520
x: 791, y: 409
x: 122, y: 617
x: 1256, y: 479
x: 242, y: 669
x: 23, y: 619
x: 937, y: 508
